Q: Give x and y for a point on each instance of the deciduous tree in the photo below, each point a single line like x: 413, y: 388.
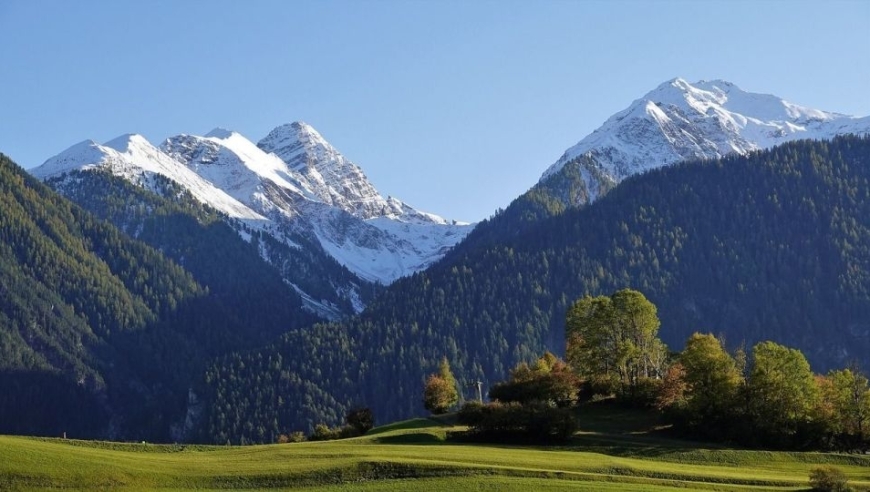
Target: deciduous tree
x: 615, y: 338
x: 440, y: 393
x: 782, y: 393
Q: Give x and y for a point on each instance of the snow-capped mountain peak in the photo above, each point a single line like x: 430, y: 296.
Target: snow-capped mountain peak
x: 679, y: 120
x: 77, y: 156
x: 303, y: 184
x: 299, y: 189
x: 296, y: 141
x: 127, y: 141
x: 236, y: 165
x: 333, y: 178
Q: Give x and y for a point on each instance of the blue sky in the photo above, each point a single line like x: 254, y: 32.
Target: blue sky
x: 455, y: 107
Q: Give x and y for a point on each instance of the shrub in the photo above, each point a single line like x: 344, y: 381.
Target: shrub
x: 828, y: 479
x: 513, y: 421
x: 548, y: 380
x: 644, y: 393
x: 361, y: 419
x: 323, y: 432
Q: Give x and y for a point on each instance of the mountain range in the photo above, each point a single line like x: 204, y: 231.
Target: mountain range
x: 298, y: 189
x: 725, y: 239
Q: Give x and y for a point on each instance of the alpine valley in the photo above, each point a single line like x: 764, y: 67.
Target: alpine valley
x: 297, y: 291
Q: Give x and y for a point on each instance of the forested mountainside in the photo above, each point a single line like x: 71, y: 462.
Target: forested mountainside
x: 552, y: 196
x: 103, y: 335
x: 73, y: 288
x: 772, y: 245
x: 252, y: 274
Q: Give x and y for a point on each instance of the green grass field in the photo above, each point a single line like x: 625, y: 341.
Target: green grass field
x: 612, y: 456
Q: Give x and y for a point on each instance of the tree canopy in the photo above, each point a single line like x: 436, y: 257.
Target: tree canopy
x: 615, y: 337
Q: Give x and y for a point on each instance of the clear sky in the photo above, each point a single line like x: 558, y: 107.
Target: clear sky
x: 456, y: 107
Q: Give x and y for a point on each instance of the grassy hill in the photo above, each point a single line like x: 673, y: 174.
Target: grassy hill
x: 617, y: 454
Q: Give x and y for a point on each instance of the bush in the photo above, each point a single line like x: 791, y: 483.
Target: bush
x: 513, y: 421
x: 828, y: 479
x: 600, y: 385
x: 291, y: 437
x: 644, y: 393
x: 361, y: 419
x: 558, y: 387
x: 547, y: 380
x: 323, y: 432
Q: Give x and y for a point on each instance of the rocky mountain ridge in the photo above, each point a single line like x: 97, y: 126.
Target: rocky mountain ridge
x: 306, y: 192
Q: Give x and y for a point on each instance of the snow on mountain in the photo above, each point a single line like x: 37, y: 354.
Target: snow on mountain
x: 134, y: 158
x: 708, y: 119
x: 295, y: 187
x: 234, y: 164
x: 309, y: 187
x: 334, y: 179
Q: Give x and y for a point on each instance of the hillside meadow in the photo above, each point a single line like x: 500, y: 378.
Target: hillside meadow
x: 414, y: 454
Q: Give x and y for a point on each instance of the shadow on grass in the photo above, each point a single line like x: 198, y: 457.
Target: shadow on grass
x: 422, y: 438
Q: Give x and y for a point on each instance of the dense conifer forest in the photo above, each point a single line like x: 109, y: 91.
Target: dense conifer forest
x: 72, y: 289
x: 103, y: 336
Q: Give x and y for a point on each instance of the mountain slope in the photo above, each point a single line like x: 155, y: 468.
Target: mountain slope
x: 103, y: 336
x: 773, y: 245
x: 71, y: 286
x: 326, y: 288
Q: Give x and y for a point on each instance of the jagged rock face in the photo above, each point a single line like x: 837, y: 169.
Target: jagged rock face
x: 334, y: 179
x: 315, y: 190
x: 705, y: 120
